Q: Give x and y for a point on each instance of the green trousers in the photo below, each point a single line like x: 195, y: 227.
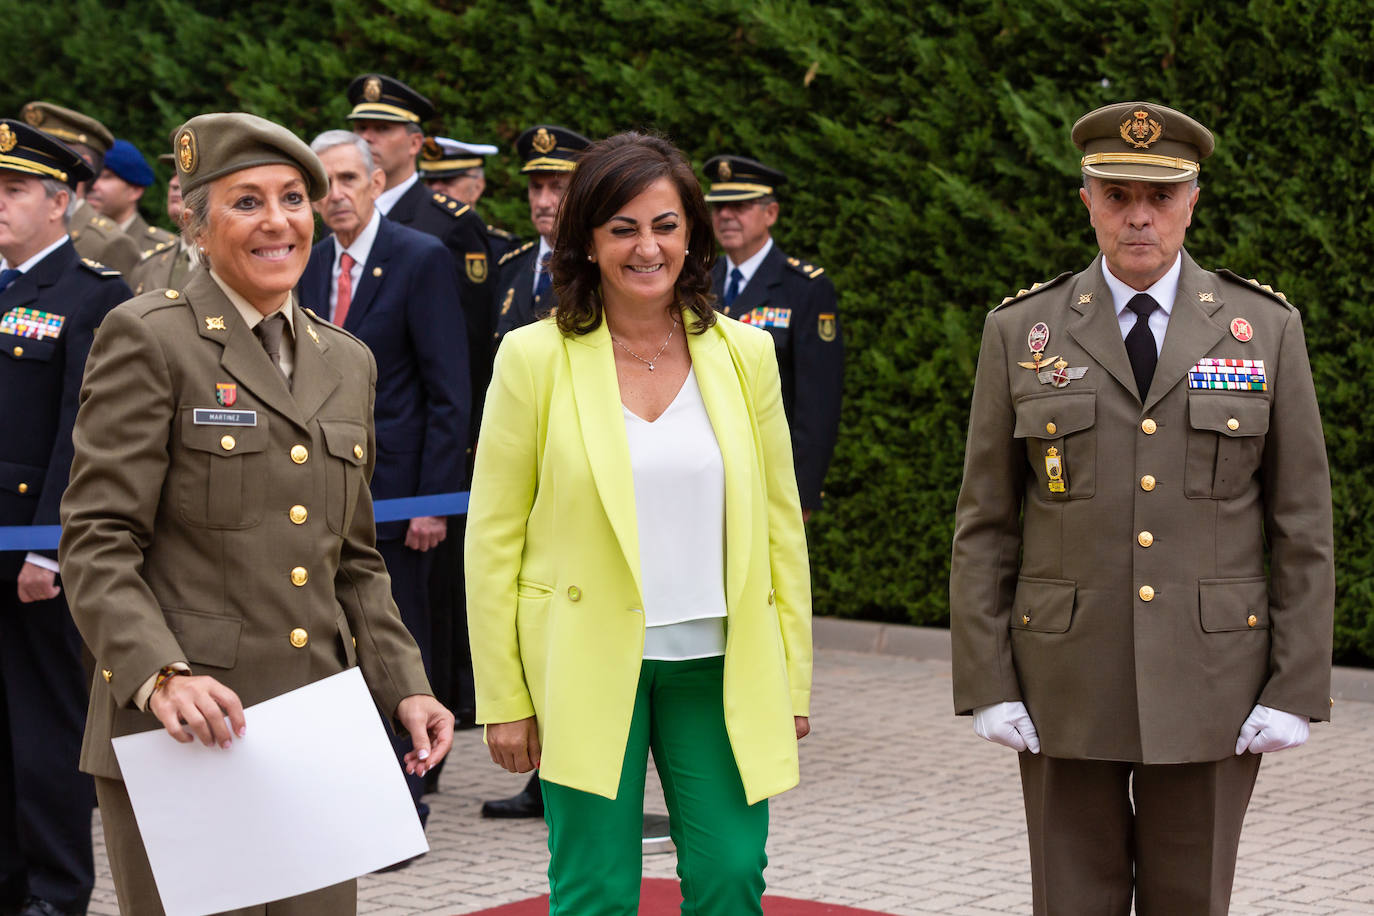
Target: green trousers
x: 595, y: 844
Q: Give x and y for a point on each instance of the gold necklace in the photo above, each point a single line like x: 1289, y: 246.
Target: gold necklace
x: 648, y: 362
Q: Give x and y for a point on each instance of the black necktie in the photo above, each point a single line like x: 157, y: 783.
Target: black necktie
x: 1140, y: 342
x: 732, y: 291
x: 271, y: 331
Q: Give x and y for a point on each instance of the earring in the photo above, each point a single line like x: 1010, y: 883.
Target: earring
x: 591, y: 259
x: 686, y: 251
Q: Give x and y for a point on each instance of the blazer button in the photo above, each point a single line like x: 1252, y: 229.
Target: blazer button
x: 299, y: 638
x: 23, y: 488
x: 298, y: 515
x: 574, y: 593
x: 1233, y: 424
x: 1251, y: 620
x: 1145, y: 539
x: 299, y: 576
x: 227, y: 443
x: 1148, y: 426
x: 106, y: 673
x: 18, y: 351
x: 1025, y: 618
x: 299, y: 454
x: 1147, y: 593
x: 1051, y: 428
x: 358, y: 452
x: 1147, y: 483
x: 772, y: 594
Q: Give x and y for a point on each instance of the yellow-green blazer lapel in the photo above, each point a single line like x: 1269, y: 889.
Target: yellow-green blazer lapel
x: 596, y: 392
x: 725, y: 389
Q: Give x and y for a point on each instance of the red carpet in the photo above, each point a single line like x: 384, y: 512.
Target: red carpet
x: 660, y: 897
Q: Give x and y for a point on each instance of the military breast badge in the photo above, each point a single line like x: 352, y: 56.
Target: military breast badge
x: 1061, y: 374
x: 1037, y: 340
x: 1054, y: 471
x: 1242, y: 330
x: 226, y: 393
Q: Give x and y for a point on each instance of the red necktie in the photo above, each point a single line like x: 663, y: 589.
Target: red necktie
x: 345, y: 296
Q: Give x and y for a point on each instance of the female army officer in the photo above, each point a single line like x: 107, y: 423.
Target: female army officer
x: 217, y: 533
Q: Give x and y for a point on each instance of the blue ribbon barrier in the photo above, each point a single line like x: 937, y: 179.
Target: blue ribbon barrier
x: 44, y: 537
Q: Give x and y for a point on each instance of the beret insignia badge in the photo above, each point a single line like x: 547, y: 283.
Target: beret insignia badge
x: 1140, y: 130
x: 7, y: 138
x: 725, y: 172
x: 372, y: 89
x: 33, y: 115
x: 543, y: 141
x: 188, y: 157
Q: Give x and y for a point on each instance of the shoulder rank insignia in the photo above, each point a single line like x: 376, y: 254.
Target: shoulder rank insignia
x: 1036, y: 287
x: 499, y: 232
x: 1254, y: 285
x: 506, y: 303
x: 810, y: 271
x: 515, y: 253
x: 448, y: 205
x: 98, y: 268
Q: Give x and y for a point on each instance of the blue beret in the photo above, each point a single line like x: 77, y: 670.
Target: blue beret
x: 128, y: 163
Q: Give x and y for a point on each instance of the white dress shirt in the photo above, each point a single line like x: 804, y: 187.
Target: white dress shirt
x: 387, y: 199
x: 359, y: 252
x: 544, y: 248
x: 1164, y: 291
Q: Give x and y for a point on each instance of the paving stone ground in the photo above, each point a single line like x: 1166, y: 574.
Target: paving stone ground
x: 902, y: 810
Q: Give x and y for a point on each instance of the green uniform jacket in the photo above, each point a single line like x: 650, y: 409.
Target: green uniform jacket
x: 1132, y: 612
x: 100, y: 239
x: 147, y: 236
x: 240, y: 545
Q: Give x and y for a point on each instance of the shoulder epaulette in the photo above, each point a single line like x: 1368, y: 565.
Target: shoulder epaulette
x: 156, y: 249
x: 99, y: 269
x: 515, y: 252
x: 499, y: 233
x: 448, y: 204
x: 1036, y: 288
x: 1255, y: 285
x: 103, y: 222
x: 810, y: 271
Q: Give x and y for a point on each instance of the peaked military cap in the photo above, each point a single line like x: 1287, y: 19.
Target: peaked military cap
x: 24, y: 149
x: 128, y: 163
x: 443, y: 157
x: 550, y: 148
x: 68, y: 126
x: 1140, y: 141
x: 210, y: 146
x: 739, y: 178
x: 380, y: 98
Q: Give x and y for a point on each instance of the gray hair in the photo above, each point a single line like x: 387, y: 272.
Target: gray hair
x: 52, y: 187
x: 195, y: 213
x: 332, y: 138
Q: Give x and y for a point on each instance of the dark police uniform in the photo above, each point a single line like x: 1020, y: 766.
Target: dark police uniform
x: 795, y: 302
x: 443, y: 157
x: 48, y: 318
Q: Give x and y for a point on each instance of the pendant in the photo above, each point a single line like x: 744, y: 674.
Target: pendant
x: 651, y: 367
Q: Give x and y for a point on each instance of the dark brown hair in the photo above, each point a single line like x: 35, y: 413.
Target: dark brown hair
x: 611, y: 173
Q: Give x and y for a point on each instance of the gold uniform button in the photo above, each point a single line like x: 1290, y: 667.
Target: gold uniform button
x: 299, y: 454
x: 1147, y: 593
x: 358, y: 452
x: 574, y: 593
x: 1148, y: 426
x: 1145, y: 538
x: 18, y: 351
x: 172, y: 294
x: 299, y: 638
x: 1251, y: 620
x: 227, y: 443
x: 1025, y: 618
x: 299, y: 576
x: 23, y: 488
x: 298, y: 515
x: 1051, y: 428
x: 106, y: 673
x: 1147, y: 483
x: 1233, y: 424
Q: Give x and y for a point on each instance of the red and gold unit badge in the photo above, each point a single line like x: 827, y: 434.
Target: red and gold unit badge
x: 1241, y: 330
x: 1141, y: 130
x: 226, y: 393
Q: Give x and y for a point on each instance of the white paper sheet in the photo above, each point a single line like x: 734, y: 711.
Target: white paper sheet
x: 311, y: 796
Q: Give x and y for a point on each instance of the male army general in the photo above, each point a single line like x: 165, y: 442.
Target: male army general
x: 1142, y: 582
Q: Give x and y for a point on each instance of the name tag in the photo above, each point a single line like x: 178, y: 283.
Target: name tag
x: 204, y: 416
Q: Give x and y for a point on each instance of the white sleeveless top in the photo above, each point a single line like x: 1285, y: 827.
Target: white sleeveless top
x: 679, y: 481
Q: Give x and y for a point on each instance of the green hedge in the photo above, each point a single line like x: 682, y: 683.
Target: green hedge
x: 931, y: 175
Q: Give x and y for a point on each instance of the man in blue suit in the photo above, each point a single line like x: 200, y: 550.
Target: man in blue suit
x: 397, y: 290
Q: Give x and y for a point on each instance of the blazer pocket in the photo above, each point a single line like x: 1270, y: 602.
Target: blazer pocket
x: 28, y: 349
x: 1043, y: 605
x: 207, y: 639
x: 347, y: 642
x: 346, y: 442
x: 1225, y: 605
x: 1061, y: 444
x: 1225, y: 439
x: 219, y: 475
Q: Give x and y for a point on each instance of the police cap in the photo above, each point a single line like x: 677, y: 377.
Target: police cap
x: 380, y: 98
x: 32, y: 152
x: 550, y: 148
x: 735, y: 178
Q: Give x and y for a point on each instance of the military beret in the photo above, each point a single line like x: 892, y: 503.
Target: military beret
x: 128, y: 163
x: 210, y: 146
x: 550, y: 148
x: 1139, y: 141
x: 23, y: 149
x: 736, y: 178
x: 68, y: 126
x: 380, y: 98
x: 442, y: 157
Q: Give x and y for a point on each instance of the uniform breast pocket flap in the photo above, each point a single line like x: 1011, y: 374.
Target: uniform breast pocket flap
x: 346, y: 443
x: 1225, y: 438
x: 1061, y: 444
x: 220, y: 472
x: 1043, y: 605
x: 28, y: 349
x: 207, y: 639
x: 1225, y: 605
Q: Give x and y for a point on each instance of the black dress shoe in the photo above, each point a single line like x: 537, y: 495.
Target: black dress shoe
x: 529, y: 803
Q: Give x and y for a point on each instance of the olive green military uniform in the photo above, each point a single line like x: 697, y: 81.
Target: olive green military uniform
x: 100, y: 239
x: 164, y: 266
x: 147, y: 236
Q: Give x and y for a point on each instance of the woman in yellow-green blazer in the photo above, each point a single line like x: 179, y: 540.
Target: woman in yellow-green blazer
x: 569, y: 570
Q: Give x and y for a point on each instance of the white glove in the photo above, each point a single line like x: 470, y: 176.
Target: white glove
x: 1268, y: 730
x: 1007, y: 723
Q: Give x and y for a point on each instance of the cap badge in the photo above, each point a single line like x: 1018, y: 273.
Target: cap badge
x: 725, y: 172
x: 1241, y: 329
x: 1140, y: 130
x: 543, y: 141
x: 33, y: 114
x: 7, y: 138
x: 430, y: 150
x: 187, y: 156
x: 372, y: 89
